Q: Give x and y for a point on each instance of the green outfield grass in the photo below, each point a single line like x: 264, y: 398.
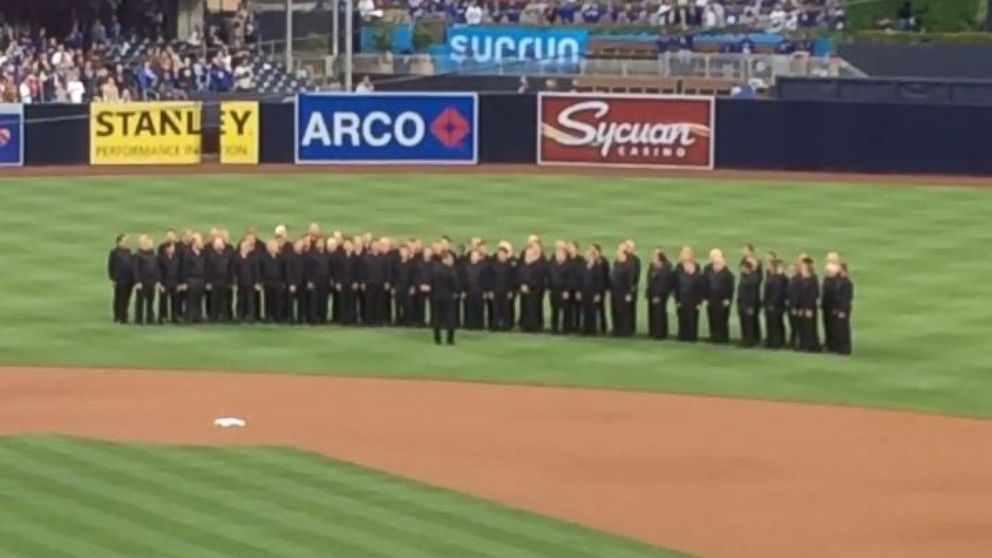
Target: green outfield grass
x: 68, y: 498
x: 918, y: 257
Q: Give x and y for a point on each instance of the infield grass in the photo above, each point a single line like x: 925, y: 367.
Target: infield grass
x: 918, y: 257
x: 72, y: 498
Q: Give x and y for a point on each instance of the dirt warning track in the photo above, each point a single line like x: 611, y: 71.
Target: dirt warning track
x: 711, y: 476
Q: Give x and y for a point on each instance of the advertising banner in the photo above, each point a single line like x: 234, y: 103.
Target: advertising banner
x: 429, y: 128
x: 152, y: 133
x: 495, y: 43
x: 239, y: 133
x: 11, y: 135
x: 652, y: 131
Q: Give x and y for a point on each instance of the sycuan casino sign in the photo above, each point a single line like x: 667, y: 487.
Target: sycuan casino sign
x: 625, y: 130
x: 495, y: 44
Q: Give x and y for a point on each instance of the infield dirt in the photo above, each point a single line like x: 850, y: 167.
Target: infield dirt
x: 720, y: 478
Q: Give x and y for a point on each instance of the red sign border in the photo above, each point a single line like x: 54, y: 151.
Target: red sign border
x: 709, y: 99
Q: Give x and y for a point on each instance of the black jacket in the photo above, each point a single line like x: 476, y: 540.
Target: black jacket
x: 170, y: 269
x: 749, y: 291
x: 690, y: 288
x: 120, y: 266
x: 444, y: 283
x: 246, y: 270
x: 661, y: 281
x: 776, y: 292
x: 218, y: 266
x: 719, y: 285
x: 146, y: 269
x: 194, y: 266
x: 272, y: 269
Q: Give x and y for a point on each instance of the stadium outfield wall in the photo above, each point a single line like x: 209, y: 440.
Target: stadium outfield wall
x: 465, y: 128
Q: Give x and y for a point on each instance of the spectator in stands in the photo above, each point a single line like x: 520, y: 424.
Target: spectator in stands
x: 109, y: 91
x: 591, y: 12
x: 473, y: 14
x: 243, y: 78
x: 75, y: 89
x: 365, y: 86
x: 195, y: 38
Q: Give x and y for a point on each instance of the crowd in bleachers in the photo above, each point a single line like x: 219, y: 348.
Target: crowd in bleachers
x: 100, y: 57
x: 770, y: 15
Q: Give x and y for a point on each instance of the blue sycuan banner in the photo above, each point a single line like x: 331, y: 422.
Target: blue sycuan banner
x: 428, y: 128
x: 492, y: 44
x: 11, y: 135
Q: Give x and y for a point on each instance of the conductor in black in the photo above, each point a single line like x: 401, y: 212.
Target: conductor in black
x: 120, y: 271
x: 444, y: 289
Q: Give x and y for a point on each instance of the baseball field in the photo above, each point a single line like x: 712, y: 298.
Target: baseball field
x: 376, y: 443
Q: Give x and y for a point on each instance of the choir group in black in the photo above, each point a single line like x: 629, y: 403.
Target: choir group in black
x: 373, y: 282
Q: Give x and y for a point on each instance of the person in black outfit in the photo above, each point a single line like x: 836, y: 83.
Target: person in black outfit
x: 194, y: 274
x: 346, y: 283
x: 827, y: 290
x: 246, y: 271
x: 317, y: 273
x: 504, y: 289
x: 219, y: 280
x: 423, y: 271
x: 558, y: 288
x: 592, y: 288
x: 376, y: 284
x: 272, y: 267
x: 719, y: 294
x: 532, y: 281
x: 575, y: 268
x: 120, y: 271
x: 170, y: 305
x: 444, y: 294
x: 775, y: 303
x: 690, y: 292
x: 402, y: 286
x: 604, y: 268
x: 622, y: 294
x: 840, y: 318
x: 749, y: 304
x: 477, y: 284
x: 661, y: 284
x: 147, y: 279
x: 296, y: 308
x: 809, y: 292
x: 635, y: 267
x: 792, y: 304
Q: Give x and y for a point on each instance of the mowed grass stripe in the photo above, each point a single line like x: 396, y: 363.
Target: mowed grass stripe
x: 114, y: 505
x: 267, y: 523
x: 86, y: 524
x: 24, y: 537
x: 355, y: 518
x: 470, y: 515
x: 464, y: 531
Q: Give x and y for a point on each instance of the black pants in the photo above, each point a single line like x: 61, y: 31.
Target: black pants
x: 443, y: 318
x: 246, y: 309
x: 144, y: 304
x: 502, y: 312
x: 349, y: 313
x: 825, y: 315
x: 335, y: 305
x: 688, y: 322
x: 375, y: 304
x: 590, y: 316
x: 808, y: 338
x: 170, y: 305
x: 275, y: 302
x: 122, y: 300
x: 658, y: 319
x: 557, y: 310
x: 718, y: 317
x: 572, y: 313
x: 601, y: 312
x: 194, y: 301
x: 220, y: 303
x: 775, y: 329
x: 404, y: 307
x: 840, y: 333
x: 419, y: 314
x: 474, y: 311
x: 319, y: 304
x: 620, y: 310
x: 750, y: 326
x: 531, y: 319
x: 793, y: 329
